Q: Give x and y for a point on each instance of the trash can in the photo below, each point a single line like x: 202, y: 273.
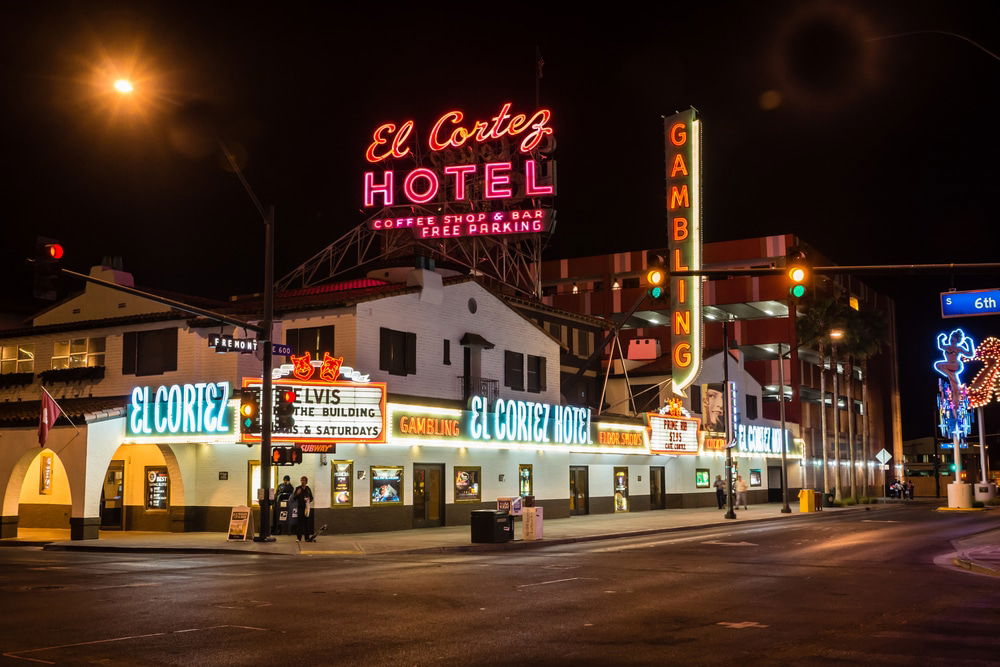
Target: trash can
x: 818, y: 499
x: 492, y: 526
x: 828, y: 500
x: 807, y: 501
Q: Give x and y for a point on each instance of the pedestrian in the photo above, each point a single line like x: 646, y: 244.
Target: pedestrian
x: 741, y: 492
x: 282, y: 493
x: 909, y: 489
x: 303, y: 497
x: 720, y: 491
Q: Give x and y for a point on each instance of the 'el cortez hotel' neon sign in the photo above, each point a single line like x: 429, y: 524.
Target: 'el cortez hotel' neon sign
x: 683, y: 142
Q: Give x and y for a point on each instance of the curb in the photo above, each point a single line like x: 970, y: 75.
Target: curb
x: 462, y: 548
x: 973, y: 566
x: 532, y: 544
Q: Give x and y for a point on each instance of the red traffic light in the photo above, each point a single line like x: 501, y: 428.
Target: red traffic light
x: 287, y: 396
x: 54, y: 250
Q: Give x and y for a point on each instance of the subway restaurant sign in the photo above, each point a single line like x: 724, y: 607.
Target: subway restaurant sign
x: 683, y: 142
x: 513, y: 423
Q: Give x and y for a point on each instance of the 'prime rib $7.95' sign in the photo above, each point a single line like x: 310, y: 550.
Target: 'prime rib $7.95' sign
x: 331, y: 411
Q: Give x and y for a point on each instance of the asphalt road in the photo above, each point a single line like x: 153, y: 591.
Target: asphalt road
x: 861, y: 588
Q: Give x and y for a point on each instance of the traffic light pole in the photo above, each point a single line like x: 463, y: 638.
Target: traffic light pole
x: 730, y: 437
x: 785, y: 509
x: 267, y: 393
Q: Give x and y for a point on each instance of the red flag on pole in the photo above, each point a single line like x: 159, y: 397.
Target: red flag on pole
x: 47, y: 418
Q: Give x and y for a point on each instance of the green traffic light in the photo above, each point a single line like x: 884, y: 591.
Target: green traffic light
x: 656, y: 292
x: 798, y: 291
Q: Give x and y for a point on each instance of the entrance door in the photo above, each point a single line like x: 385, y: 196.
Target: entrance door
x: 113, y: 497
x: 657, y: 498
x: 579, y: 490
x: 428, y: 495
x: 773, y: 484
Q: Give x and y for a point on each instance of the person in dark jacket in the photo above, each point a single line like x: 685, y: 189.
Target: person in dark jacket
x: 303, y: 498
x: 720, y: 491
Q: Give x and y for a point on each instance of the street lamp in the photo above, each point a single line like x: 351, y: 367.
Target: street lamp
x: 123, y: 86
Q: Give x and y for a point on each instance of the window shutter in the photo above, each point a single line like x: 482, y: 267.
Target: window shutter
x: 411, y: 352
x: 326, y: 341
x: 541, y: 373
x: 447, y: 352
x: 508, y: 370
x: 385, y: 348
x: 169, y: 338
x: 128, y: 353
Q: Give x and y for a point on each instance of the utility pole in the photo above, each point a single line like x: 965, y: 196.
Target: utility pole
x: 785, y: 509
x: 730, y: 507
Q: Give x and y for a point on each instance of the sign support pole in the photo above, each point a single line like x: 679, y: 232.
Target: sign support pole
x: 982, y: 446
x: 730, y: 437
x: 267, y: 393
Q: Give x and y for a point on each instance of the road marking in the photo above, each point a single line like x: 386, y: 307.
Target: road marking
x: 742, y: 625
x: 731, y: 544
x: 19, y: 655
x: 138, y: 585
x: 879, y: 521
x: 557, y: 581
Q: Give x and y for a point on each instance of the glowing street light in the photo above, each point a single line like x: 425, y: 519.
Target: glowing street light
x: 124, y: 86
x: 836, y: 334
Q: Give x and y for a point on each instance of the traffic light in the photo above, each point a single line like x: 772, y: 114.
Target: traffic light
x: 656, y: 278
x: 797, y: 270
x: 48, y: 253
x: 284, y: 409
x: 250, y: 411
x: 286, y: 456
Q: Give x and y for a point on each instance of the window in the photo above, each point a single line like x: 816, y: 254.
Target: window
x: 397, y: 352
x: 447, y: 352
x: 751, y: 407
x: 17, y: 359
x: 555, y: 330
x: 583, y: 343
x: 630, y: 282
x: 78, y: 353
x: 314, y: 340
x: 513, y: 370
x: 548, y: 290
x: 536, y: 374
x: 598, y: 285
x: 149, y: 352
x: 524, y: 479
x: 253, y: 480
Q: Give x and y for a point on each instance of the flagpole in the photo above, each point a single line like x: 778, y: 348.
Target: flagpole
x: 63, y: 412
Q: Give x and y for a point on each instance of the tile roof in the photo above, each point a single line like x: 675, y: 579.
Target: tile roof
x: 25, y: 413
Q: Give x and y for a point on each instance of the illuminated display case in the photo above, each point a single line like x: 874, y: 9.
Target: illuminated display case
x: 157, y: 488
x: 342, y: 483
x: 525, y: 479
x: 621, y: 489
x: 386, y: 485
x: 755, y: 478
x: 702, y: 478
x: 467, y: 484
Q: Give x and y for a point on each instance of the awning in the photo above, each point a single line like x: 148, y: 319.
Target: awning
x: 475, y: 340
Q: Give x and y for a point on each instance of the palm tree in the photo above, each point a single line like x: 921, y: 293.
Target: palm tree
x: 852, y: 342
x: 870, y: 329
x: 818, y: 318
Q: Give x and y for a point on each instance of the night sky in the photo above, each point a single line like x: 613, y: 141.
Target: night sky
x: 873, y: 150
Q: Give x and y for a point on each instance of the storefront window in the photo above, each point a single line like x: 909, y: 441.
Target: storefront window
x: 702, y: 478
x: 621, y: 489
x: 387, y: 485
x: 253, y: 480
x: 755, y: 479
x: 343, y: 483
x: 157, y: 488
x: 525, y: 481
x: 467, y: 487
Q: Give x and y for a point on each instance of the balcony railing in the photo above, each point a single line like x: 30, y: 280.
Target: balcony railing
x: 472, y: 386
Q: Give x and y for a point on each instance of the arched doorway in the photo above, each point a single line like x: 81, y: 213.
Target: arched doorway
x: 38, y: 493
x: 141, y: 485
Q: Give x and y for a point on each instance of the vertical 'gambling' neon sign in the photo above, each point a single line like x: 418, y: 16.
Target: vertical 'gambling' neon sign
x: 683, y: 141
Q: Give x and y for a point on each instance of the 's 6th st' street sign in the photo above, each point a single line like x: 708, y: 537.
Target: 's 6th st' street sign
x: 970, y: 303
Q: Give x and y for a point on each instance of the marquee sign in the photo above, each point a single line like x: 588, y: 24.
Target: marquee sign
x: 526, y: 421
x: 495, y: 169
x: 683, y: 142
x: 672, y: 435
x: 758, y: 439
x: 332, y: 412
x: 195, y: 409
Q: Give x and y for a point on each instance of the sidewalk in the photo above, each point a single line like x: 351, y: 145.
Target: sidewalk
x: 426, y: 540
x: 979, y: 552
